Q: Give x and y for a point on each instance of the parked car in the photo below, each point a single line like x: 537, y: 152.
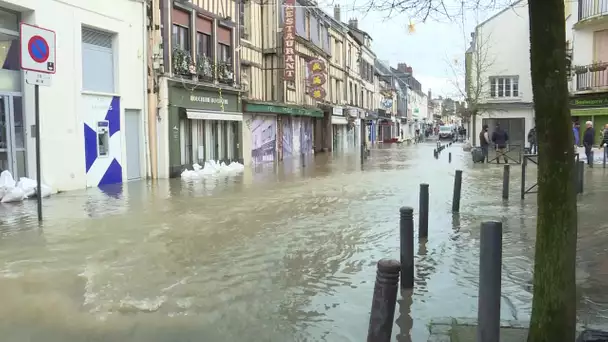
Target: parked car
x: 446, y: 133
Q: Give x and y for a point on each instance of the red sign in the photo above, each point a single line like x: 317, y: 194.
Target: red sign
x: 289, y: 40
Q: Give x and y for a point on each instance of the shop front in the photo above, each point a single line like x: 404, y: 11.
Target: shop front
x: 339, y: 124
x: 276, y: 132
x: 590, y: 107
x: 204, y: 125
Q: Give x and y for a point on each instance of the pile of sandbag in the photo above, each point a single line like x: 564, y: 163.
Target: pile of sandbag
x: 212, y: 169
x: 13, y: 191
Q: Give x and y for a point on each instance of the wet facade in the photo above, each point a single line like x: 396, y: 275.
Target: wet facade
x: 91, y: 113
x: 200, y: 116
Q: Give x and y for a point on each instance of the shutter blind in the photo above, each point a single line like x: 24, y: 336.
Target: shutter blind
x: 97, y: 61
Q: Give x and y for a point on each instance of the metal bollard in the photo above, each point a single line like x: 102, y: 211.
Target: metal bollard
x: 581, y: 176
x: 457, y: 189
x: 505, y: 182
x: 524, y: 165
x: 592, y: 159
x: 384, y: 301
x: 490, y: 266
x: 423, y: 216
x: 406, y: 230
x: 604, y: 151
x: 450, y: 157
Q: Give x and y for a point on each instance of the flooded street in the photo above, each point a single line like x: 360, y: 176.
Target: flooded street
x: 277, y: 254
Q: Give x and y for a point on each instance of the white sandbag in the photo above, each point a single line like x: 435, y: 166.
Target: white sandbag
x: 28, y: 186
x: 7, y: 180
x: 15, y: 195
x: 46, y: 191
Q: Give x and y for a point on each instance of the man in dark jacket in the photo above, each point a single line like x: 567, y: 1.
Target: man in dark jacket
x: 588, y: 140
x: 500, y: 138
x: 532, y: 140
x: 484, y: 142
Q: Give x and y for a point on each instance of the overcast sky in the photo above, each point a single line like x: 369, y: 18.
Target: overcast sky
x: 435, y: 50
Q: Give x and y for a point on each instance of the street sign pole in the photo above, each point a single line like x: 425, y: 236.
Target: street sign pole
x: 38, y: 168
x: 37, y: 55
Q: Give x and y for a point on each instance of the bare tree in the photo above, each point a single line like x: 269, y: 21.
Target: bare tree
x: 470, y: 77
x: 554, y: 302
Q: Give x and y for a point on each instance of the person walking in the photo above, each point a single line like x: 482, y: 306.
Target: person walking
x: 532, y: 140
x: 577, y: 134
x: 500, y: 138
x: 588, y: 140
x: 604, y: 142
x: 484, y: 142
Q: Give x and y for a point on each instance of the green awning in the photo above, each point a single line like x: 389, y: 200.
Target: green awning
x: 589, y: 111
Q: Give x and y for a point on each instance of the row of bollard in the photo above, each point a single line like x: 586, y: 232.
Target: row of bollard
x: 388, y: 271
x: 440, y: 148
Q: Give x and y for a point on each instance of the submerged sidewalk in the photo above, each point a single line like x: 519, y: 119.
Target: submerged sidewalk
x: 465, y: 330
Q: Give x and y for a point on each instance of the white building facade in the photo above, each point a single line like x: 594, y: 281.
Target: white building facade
x: 501, y: 60
x: 91, y: 121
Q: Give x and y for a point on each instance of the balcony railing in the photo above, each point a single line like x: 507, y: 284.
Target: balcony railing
x: 182, y: 62
x: 202, y: 68
x: 591, y: 77
x: 592, y: 8
x: 225, y: 72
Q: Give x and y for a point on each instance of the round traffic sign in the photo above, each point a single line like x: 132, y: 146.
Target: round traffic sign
x: 38, y: 49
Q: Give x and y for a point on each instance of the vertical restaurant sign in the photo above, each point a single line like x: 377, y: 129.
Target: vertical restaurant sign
x: 317, y: 78
x: 289, y: 40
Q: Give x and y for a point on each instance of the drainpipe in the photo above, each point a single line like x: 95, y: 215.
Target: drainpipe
x: 146, y: 54
x: 153, y: 30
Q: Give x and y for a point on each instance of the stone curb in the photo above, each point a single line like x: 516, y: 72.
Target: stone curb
x: 440, y: 328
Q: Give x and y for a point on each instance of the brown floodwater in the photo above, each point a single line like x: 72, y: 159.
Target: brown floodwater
x: 277, y: 254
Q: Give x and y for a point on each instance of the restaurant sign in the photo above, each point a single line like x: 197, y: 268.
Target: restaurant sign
x: 317, y: 72
x: 289, y: 40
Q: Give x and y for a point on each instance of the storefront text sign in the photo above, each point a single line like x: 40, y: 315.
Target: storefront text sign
x: 317, y: 78
x: 589, y: 101
x: 204, y: 99
x: 289, y: 40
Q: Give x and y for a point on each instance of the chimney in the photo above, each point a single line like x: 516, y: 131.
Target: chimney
x: 337, y: 13
x: 354, y: 23
x: 402, y: 67
x: 429, y: 95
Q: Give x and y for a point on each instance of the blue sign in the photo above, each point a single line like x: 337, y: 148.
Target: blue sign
x: 38, y: 49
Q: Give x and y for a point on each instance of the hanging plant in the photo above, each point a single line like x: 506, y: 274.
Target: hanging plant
x: 182, y: 62
x: 204, y: 68
x: 600, y: 66
x: 580, y: 69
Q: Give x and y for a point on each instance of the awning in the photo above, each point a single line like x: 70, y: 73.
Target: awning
x: 210, y: 115
x: 338, y: 120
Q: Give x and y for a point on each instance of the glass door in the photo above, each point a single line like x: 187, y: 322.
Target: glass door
x: 12, y: 136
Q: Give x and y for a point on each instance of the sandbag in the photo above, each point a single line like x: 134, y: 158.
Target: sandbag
x: 15, y: 195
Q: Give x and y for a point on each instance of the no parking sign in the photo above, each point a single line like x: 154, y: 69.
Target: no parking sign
x: 37, y: 49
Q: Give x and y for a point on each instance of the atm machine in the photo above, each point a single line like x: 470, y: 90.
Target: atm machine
x: 103, y: 139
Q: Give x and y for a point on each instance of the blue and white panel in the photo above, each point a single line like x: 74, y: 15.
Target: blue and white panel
x: 102, y: 142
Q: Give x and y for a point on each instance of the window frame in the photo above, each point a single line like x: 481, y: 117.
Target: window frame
x: 181, y: 29
x: 220, y: 53
x: 500, y: 86
x: 209, y: 44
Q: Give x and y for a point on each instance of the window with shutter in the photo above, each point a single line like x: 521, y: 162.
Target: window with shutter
x: 600, y: 42
x: 98, y: 61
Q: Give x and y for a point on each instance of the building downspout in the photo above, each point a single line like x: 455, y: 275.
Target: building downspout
x: 153, y: 30
x: 146, y: 54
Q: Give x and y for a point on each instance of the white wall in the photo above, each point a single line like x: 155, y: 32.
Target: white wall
x: 503, y: 44
x: 61, y: 120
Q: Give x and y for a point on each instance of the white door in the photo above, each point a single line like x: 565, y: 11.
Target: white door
x: 133, y: 140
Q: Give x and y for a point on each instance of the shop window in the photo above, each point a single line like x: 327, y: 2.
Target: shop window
x: 224, y: 52
x: 98, y: 72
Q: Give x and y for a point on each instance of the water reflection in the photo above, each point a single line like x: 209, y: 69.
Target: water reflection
x: 281, y: 253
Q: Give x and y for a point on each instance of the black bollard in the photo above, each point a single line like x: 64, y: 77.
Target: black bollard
x: 604, y: 151
x: 524, y: 165
x: 384, y: 301
x: 423, y: 216
x: 581, y: 175
x: 592, y: 159
x: 406, y: 230
x: 490, y: 266
x: 457, y: 188
x: 505, y: 182
x: 450, y: 157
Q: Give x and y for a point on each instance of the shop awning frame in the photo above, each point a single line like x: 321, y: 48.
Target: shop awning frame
x: 211, y: 115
